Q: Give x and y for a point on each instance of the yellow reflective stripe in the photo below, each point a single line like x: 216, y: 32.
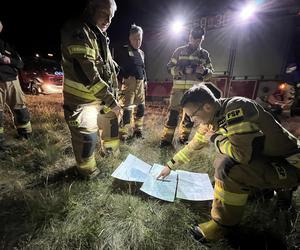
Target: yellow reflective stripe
x: 79, y: 49
x: 88, y: 164
x: 106, y: 109
x: 243, y: 127
x: 183, y: 57
x: 180, y: 82
x: 194, y: 58
x: 200, y: 137
x: 168, y: 131
x: 26, y: 125
x: 173, y: 60
x: 97, y: 87
x: 79, y: 93
x: 229, y: 198
x: 139, y: 121
x: 170, y: 164
x: 226, y: 148
x: 173, y: 71
x: 184, y: 157
x: 78, y: 89
x: 186, y: 130
x: 1, y: 130
x: 113, y: 144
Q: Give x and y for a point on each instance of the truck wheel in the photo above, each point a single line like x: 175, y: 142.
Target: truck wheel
x: 34, y: 89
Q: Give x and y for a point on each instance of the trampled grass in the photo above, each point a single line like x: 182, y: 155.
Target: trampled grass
x: 43, y: 209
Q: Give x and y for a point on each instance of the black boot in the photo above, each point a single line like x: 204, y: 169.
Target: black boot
x: 165, y: 144
x: 138, y: 134
x: 284, y: 198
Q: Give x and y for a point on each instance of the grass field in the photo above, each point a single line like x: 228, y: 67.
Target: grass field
x: 41, y: 207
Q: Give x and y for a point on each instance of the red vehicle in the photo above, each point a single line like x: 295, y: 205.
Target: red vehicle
x: 41, y: 76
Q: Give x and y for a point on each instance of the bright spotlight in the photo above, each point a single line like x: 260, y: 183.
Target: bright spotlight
x: 177, y: 26
x: 247, y: 12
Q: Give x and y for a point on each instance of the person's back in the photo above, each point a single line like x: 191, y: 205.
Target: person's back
x: 273, y: 132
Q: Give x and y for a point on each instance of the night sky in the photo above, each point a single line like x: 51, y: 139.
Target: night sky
x: 34, y: 26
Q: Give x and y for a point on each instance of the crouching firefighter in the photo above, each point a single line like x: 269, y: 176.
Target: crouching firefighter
x: 253, y: 152
x: 90, y: 80
x: 11, y: 94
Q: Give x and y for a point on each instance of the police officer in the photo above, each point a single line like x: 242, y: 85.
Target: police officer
x: 188, y: 65
x: 254, y: 151
x: 11, y: 93
x: 90, y: 84
x: 131, y: 60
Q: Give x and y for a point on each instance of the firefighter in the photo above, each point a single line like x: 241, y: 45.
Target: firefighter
x: 90, y: 84
x: 131, y: 60
x: 188, y: 65
x: 253, y: 151
x: 11, y: 93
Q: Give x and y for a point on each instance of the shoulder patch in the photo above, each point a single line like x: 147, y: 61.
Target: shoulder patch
x: 235, y: 115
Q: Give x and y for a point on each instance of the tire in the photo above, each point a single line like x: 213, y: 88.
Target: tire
x: 34, y: 89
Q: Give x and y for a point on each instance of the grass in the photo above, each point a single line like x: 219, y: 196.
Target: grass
x: 41, y: 209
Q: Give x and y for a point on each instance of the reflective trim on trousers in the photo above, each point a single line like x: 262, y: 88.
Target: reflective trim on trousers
x: 26, y: 127
x: 234, y: 199
x: 114, y: 144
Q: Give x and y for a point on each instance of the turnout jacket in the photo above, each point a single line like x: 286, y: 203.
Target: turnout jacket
x: 9, y: 72
x: 242, y: 130
x: 89, y: 70
x: 186, y: 56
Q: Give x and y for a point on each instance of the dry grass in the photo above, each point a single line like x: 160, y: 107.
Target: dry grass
x: 37, y: 212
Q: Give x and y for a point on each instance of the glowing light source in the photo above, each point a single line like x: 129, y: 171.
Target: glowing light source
x: 282, y: 86
x: 177, y: 26
x: 37, y: 55
x: 50, y: 54
x: 247, y: 12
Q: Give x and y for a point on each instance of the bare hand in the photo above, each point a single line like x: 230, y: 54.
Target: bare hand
x: 5, y: 60
x: 164, y: 173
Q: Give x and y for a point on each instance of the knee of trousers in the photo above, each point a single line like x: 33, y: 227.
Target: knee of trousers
x: 223, y: 166
x: 83, y: 144
x: 22, y: 116
x: 228, y: 205
x: 140, y: 110
x: 172, y: 118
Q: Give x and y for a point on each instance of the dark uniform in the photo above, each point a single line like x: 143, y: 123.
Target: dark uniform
x: 254, y: 151
x: 11, y: 93
x: 183, y: 58
x: 132, y: 71
x: 90, y: 90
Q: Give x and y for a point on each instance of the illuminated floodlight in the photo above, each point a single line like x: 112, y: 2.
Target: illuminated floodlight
x: 247, y: 12
x: 50, y: 54
x: 37, y: 55
x: 177, y: 26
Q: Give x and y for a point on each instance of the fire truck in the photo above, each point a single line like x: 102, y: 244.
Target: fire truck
x: 256, y: 59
